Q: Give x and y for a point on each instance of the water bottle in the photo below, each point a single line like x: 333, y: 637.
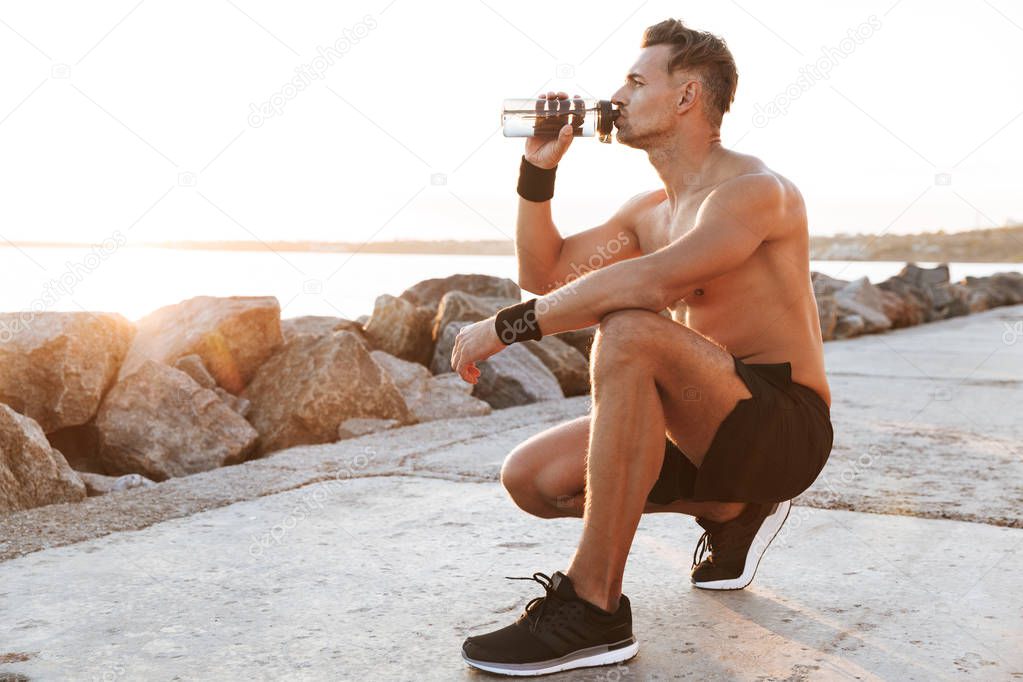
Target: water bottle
x: 545, y: 117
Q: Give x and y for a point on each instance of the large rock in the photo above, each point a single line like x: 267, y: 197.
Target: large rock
x: 160, y: 423
x: 303, y: 393
x: 57, y: 366
x: 928, y: 292
x: 431, y: 397
x: 862, y: 298
x: 458, y: 305
x: 293, y: 328
x: 827, y: 313
x: 233, y: 336
x: 513, y: 376
x: 825, y: 284
x: 903, y: 312
x: 580, y: 339
x: 849, y: 326
x: 569, y: 366
x: 401, y: 329
x: 1001, y: 288
x: 193, y: 366
x: 429, y: 292
x: 32, y: 473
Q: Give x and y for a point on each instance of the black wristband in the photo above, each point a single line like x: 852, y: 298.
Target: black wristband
x: 535, y: 183
x: 518, y: 323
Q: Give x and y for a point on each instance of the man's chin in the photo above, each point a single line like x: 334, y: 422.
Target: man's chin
x: 624, y: 138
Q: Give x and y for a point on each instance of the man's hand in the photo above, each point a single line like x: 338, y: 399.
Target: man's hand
x: 546, y: 152
x: 475, y: 342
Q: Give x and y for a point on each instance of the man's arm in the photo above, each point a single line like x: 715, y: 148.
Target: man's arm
x: 579, y: 253
x: 732, y: 223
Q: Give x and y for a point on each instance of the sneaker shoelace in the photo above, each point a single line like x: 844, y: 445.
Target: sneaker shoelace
x: 540, y: 603
x: 703, y: 546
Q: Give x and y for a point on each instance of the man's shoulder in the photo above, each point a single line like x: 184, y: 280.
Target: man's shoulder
x: 763, y: 191
x: 761, y: 197
x: 753, y: 175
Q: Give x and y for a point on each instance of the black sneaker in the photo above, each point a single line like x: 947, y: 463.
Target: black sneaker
x: 736, y: 546
x: 558, y: 631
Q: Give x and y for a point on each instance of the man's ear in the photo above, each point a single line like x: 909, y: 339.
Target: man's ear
x: 690, y: 91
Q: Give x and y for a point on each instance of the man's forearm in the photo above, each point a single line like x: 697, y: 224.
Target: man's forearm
x: 585, y: 301
x: 537, y: 243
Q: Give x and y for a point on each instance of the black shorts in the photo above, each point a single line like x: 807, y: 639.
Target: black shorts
x: 769, y: 448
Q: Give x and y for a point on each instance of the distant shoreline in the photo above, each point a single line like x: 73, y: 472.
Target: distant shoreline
x: 995, y: 245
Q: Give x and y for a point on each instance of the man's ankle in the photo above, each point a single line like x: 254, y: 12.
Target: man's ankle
x: 602, y: 599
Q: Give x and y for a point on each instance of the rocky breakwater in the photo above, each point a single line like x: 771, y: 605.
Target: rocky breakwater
x: 915, y: 295
x: 92, y: 403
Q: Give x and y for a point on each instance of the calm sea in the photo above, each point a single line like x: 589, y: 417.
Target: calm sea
x: 134, y: 281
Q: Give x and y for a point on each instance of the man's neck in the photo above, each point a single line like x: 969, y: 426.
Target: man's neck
x: 686, y: 164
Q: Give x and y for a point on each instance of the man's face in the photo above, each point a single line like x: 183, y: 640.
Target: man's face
x: 648, y: 99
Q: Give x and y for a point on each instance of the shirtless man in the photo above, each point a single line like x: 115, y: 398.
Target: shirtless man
x: 721, y: 411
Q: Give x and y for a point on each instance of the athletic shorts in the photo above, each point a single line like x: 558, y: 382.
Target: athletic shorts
x: 769, y: 448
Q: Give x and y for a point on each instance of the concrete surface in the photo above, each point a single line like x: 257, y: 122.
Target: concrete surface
x: 367, y: 559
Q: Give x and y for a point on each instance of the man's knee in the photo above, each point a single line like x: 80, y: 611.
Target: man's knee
x: 622, y: 340
x: 517, y: 475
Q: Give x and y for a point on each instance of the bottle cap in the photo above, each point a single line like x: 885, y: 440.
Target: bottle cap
x: 605, y: 122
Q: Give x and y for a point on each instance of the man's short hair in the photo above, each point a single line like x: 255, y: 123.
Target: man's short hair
x: 705, y: 54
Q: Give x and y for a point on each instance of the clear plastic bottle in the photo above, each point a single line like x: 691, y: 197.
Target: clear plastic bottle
x: 545, y: 117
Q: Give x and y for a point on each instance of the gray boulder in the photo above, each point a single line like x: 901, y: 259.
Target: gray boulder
x: 57, y: 366
x: 303, y: 393
x: 319, y: 325
x: 32, y: 473
x: 569, y: 366
x: 1001, y: 288
x: 429, y: 292
x: 928, y: 292
x: 431, y: 397
x: 458, y: 305
x: 513, y: 376
x: 160, y: 423
x: 580, y: 339
x: 401, y: 329
x: 848, y: 326
x: 824, y: 285
x: 863, y: 299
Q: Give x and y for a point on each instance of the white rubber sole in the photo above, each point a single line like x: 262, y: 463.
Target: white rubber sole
x: 584, y: 658
x: 768, y: 529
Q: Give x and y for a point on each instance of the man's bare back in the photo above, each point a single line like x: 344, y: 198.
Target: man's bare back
x: 762, y: 311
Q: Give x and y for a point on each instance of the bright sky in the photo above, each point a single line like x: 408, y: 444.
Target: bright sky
x: 137, y: 116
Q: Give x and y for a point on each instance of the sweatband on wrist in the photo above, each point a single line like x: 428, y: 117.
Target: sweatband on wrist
x: 518, y: 323
x: 535, y: 183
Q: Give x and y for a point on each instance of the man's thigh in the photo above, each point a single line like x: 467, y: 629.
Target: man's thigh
x: 695, y: 377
